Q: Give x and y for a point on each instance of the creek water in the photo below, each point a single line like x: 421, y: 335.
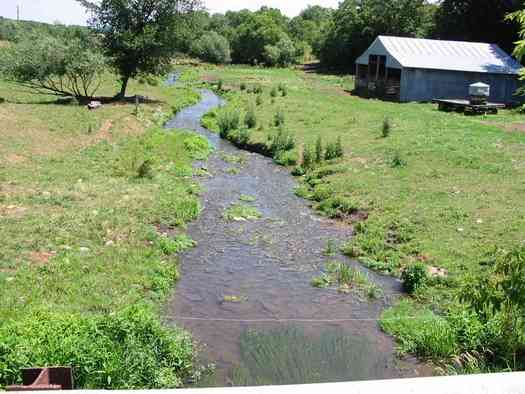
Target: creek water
x: 245, y: 292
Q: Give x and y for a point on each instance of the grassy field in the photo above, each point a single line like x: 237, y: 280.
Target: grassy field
x: 441, y: 188
x: 87, y: 199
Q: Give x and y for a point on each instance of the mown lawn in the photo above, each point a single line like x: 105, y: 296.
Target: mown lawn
x: 441, y: 188
x: 87, y: 201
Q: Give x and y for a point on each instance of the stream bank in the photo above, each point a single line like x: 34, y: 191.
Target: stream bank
x: 245, y: 291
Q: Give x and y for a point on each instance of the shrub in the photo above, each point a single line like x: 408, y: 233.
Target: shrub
x: 66, y: 67
x: 283, y: 89
x: 337, y: 207
x: 386, y: 128
x: 212, y: 47
x: 278, y: 118
x: 420, y: 331
x: 197, y: 146
x: 257, y: 89
x: 240, y: 137
x: 339, y: 150
x: 281, y: 142
x: 243, y: 86
x: 227, y: 120
x: 250, y: 119
x: 273, y: 92
x: 319, y: 150
x: 281, y: 54
x: 286, y: 158
x: 145, y: 170
x: 259, y: 100
x: 220, y: 84
x: 332, y: 151
x: 308, y: 157
x: 298, y: 171
x: 126, y: 350
x: 414, y: 277
x: 398, y: 161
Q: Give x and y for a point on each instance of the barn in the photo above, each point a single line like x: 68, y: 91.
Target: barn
x: 412, y: 69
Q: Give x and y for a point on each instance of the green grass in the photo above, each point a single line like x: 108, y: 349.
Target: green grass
x: 83, y: 215
x: 290, y: 356
x: 239, y: 212
x: 346, y: 279
x: 441, y: 188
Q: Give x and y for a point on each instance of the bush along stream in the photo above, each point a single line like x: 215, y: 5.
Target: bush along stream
x: 266, y: 293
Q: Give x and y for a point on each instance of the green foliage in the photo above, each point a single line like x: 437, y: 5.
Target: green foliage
x: 145, y: 169
x: 228, y: 120
x: 175, y: 245
x: 456, y: 20
x: 308, y: 157
x: 140, y: 37
x: 355, y: 25
x: 397, y: 161
x: 282, y: 54
x: 259, y: 100
x: 346, y: 278
x: 334, y: 150
x: 331, y: 248
x: 291, y: 356
x: 337, y: 207
x: 125, y: 350
x: 386, y: 128
x: 319, y: 150
x: 198, y: 147
x: 238, y: 212
x: 278, y: 118
x: 414, y: 277
x: 220, y: 84
x: 282, y: 141
x: 212, y: 47
x: 250, y: 119
x: 420, y: 331
x: 273, y: 92
x: 242, y: 86
x: 286, y: 158
x: 69, y: 67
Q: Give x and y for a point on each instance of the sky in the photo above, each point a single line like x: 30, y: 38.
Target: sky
x: 70, y: 12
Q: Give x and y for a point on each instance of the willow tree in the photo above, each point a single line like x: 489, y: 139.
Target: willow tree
x: 140, y: 37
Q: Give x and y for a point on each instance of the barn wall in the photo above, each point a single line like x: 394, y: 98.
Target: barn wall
x: 425, y: 85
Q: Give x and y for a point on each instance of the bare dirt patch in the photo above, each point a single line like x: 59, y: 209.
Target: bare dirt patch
x: 41, y: 258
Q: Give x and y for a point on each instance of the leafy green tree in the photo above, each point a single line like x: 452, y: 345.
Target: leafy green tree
x: 65, y: 67
x: 478, y: 20
x: 310, y: 26
x: 140, y: 37
x: 213, y: 48
x: 258, y: 30
x: 283, y: 54
x: 356, y: 24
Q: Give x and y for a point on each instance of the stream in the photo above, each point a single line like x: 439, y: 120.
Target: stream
x: 245, y: 292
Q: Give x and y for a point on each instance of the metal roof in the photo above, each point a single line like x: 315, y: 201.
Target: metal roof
x: 442, y: 55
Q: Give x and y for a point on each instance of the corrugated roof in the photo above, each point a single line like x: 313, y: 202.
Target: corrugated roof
x: 447, y: 55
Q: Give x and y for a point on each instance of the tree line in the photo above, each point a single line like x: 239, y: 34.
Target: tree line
x: 139, y: 38
x: 338, y: 36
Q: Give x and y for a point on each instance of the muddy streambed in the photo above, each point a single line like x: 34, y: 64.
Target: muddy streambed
x: 245, y: 291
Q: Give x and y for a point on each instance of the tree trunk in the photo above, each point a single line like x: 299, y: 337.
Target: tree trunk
x: 124, y: 86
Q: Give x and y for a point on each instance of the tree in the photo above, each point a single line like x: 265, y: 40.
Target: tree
x: 65, y: 67
x: 283, y: 53
x: 259, y: 29
x: 140, y: 37
x: 213, y: 48
x: 310, y: 26
x: 356, y: 24
x: 478, y: 20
